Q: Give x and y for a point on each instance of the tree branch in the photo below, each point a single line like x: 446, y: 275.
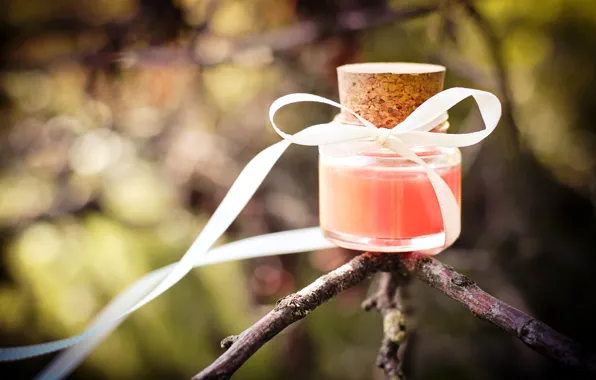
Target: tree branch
x: 535, y: 334
x: 293, y: 308
x: 386, y: 302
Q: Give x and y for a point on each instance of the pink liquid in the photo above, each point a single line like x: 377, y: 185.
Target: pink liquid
x: 399, y: 203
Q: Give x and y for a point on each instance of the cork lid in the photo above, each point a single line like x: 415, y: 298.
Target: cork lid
x: 386, y: 93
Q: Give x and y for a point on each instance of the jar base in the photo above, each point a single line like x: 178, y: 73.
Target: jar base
x: 360, y: 243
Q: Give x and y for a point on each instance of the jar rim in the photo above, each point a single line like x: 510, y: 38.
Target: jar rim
x: 436, y: 157
x: 339, y: 118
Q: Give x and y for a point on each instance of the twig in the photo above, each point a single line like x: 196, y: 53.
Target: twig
x: 386, y: 301
x: 404, y: 300
x: 293, y: 308
x: 533, y: 333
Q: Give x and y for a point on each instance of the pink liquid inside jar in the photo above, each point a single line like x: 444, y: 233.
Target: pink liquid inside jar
x: 380, y: 201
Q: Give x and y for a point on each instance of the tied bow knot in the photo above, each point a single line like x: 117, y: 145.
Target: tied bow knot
x: 383, y: 136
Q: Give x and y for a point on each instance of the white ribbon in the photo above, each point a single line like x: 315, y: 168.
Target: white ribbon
x: 414, y: 131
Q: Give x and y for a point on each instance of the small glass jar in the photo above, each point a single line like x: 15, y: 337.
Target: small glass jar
x: 381, y: 201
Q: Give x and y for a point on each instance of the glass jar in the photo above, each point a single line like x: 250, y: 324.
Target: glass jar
x: 381, y: 201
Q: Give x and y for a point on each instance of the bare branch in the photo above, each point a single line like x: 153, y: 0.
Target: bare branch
x: 533, y: 333
x: 293, y: 308
x: 386, y: 301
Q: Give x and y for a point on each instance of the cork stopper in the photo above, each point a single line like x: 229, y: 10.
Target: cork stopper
x: 386, y: 93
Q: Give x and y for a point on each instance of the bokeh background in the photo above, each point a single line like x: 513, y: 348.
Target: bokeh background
x: 124, y: 122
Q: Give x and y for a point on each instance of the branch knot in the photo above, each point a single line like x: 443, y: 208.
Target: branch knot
x: 227, y: 342
x: 462, y: 281
x: 295, y: 304
x: 394, y: 325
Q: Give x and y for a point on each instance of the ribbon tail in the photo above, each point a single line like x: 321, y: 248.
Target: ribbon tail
x: 239, y: 194
x: 450, y: 211
x: 301, y: 240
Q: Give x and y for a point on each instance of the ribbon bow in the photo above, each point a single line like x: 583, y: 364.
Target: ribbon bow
x: 414, y: 131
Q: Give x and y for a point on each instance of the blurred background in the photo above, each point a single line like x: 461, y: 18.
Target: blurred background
x: 124, y: 122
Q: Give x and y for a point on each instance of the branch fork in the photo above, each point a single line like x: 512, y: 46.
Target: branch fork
x: 389, y: 301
